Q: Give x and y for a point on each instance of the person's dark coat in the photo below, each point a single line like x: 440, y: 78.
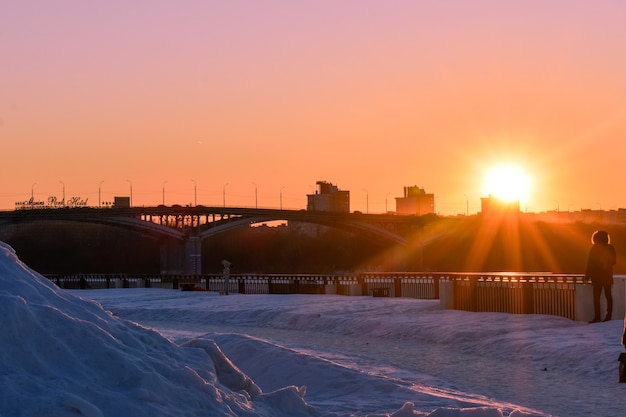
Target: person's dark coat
x: 600, y: 264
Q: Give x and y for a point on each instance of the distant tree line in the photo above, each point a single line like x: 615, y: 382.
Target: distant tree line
x: 515, y: 244
x: 284, y: 250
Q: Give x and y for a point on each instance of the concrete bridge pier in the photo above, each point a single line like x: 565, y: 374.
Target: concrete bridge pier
x: 193, y: 255
x: 181, y: 257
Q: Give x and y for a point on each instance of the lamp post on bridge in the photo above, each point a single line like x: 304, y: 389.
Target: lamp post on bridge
x: 224, y: 194
x: 130, y: 202
x: 195, y: 193
x: 281, y: 197
x: 100, y: 193
x: 32, y: 195
x: 466, y: 205
x: 256, y: 195
x: 63, y: 202
x: 367, y: 202
x: 163, y: 190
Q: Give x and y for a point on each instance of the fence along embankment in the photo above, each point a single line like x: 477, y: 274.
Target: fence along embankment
x: 564, y: 295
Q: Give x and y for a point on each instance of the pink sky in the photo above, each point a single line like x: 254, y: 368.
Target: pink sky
x: 276, y: 95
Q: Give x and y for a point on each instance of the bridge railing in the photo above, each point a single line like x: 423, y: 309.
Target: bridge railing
x: 564, y: 295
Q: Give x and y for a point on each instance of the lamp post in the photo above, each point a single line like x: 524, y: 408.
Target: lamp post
x: 63, y: 202
x: 163, y: 190
x: 32, y: 195
x: 224, y: 194
x: 466, y: 205
x: 195, y: 193
x: 256, y: 195
x: 367, y: 202
x: 100, y: 193
x: 281, y: 197
x: 130, y: 201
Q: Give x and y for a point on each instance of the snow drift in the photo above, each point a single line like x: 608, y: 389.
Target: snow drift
x: 63, y: 356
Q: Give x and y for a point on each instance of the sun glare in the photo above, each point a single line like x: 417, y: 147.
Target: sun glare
x: 507, y: 183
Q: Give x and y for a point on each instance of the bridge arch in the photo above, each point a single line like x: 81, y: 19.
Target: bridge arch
x: 349, y: 226
x: 187, y: 238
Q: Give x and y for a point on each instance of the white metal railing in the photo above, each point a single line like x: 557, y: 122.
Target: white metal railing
x: 565, y: 295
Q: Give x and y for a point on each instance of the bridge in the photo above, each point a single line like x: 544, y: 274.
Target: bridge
x: 186, y: 227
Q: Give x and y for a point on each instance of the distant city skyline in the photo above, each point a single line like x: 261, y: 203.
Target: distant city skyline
x: 252, y: 103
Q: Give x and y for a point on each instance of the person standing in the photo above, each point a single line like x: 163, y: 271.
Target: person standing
x: 600, y: 272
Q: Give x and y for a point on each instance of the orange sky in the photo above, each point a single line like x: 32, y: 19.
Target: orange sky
x: 369, y: 95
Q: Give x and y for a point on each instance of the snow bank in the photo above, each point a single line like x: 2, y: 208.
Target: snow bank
x: 66, y: 356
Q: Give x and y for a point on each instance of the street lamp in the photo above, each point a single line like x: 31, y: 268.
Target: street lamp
x: 100, y: 193
x: 466, y: 205
x: 63, y: 202
x: 130, y: 201
x: 32, y: 194
x: 256, y: 195
x: 195, y: 193
x: 163, y: 189
x: 367, y: 201
x: 224, y: 194
x: 281, y: 197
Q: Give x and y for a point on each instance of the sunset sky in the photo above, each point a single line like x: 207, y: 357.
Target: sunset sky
x: 233, y: 97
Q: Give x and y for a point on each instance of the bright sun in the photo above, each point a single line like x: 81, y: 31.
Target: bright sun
x: 507, y: 182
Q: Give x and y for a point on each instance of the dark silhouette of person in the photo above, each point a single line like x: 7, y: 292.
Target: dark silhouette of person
x: 600, y: 272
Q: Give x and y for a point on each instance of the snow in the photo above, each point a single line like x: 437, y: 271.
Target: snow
x: 157, y: 352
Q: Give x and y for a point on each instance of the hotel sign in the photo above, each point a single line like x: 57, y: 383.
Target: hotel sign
x: 52, y: 202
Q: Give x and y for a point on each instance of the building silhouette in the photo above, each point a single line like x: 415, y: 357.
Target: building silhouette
x: 415, y: 202
x: 328, y: 197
